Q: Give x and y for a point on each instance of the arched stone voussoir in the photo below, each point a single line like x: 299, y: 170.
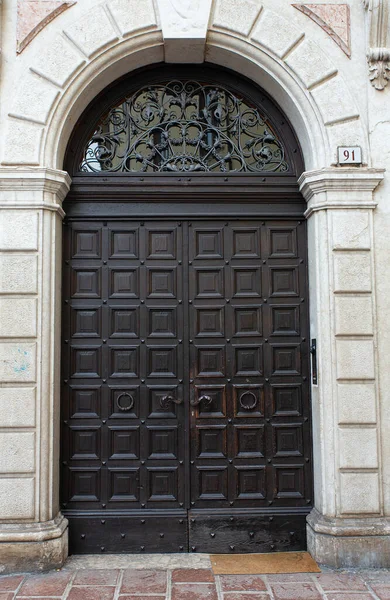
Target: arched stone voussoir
x: 87, y: 56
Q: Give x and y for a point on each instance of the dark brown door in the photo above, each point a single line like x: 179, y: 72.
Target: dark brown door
x: 186, y: 414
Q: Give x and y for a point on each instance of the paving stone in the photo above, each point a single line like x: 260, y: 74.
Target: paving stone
x: 295, y: 591
x: 10, y: 584
x: 144, y: 582
x: 143, y: 597
x: 289, y: 577
x: 7, y: 596
x: 194, y: 591
x: 340, y: 582
x: 49, y: 584
x: 192, y: 575
x: 238, y: 583
x: 346, y: 596
x: 91, y: 593
x: 245, y: 596
x: 96, y: 577
x: 382, y: 591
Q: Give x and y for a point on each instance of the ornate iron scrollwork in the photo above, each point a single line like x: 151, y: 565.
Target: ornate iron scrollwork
x: 125, y: 402
x: 248, y: 400
x: 184, y: 126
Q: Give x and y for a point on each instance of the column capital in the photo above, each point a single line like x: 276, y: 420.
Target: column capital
x: 340, y: 188
x: 33, y: 187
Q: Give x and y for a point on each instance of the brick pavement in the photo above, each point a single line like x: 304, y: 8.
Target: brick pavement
x: 193, y: 584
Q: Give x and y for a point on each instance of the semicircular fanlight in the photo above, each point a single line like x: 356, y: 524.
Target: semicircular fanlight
x: 184, y: 126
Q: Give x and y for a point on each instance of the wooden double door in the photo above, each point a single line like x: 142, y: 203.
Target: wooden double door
x: 185, y: 408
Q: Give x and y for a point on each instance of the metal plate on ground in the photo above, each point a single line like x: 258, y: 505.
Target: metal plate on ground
x: 224, y: 534
x: 149, y: 534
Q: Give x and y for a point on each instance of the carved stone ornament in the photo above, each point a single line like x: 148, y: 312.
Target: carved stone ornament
x: 34, y: 15
x: 184, y: 26
x: 378, y: 55
x: 334, y: 19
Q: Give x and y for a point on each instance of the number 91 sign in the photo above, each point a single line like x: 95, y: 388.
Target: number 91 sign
x: 349, y: 155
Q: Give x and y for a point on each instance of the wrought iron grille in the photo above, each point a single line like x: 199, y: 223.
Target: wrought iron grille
x: 184, y: 126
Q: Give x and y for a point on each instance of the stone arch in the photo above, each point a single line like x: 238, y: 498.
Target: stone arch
x: 57, y: 86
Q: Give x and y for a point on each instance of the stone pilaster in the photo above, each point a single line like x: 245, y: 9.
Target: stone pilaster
x: 347, y: 527
x: 33, y: 533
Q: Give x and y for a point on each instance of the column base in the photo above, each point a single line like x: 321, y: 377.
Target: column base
x: 29, y: 547
x: 341, y: 543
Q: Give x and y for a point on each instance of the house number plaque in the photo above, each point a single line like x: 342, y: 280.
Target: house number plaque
x: 349, y: 155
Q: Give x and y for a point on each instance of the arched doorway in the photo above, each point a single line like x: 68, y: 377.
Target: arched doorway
x: 185, y: 403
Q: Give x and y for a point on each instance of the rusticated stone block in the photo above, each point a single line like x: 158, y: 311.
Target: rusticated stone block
x: 236, y: 15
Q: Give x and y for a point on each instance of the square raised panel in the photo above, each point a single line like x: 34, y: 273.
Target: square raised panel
x: 124, y: 402
x: 162, y: 484
x: 210, y: 361
x: 287, y: 440
x: 209, y: 243
x: 284, y: 281
x: 161, y: 283
x: 124, y: 322
x: 85, y: 484
x: 85, y: 362
x: 246, y: 282
x: 86, y: 243
x: 209, y: 322
x: 123, y: 243
x: 124, y: 443
x: 124, y: 361
x: 159, y: 407
x: 285, y: 320
x: 211, y: 441
x: 212, y: 483
x: 246, y: 243
x: 161, y: 244
x: 84, y: 402
x: 84, y: 442
x: 214, y: 409
x: 248, y: 400
x: 286, y: 400
x: 124, y: 283
x: 209, y: 283
x: 162, y: 322
x: 85, y: 282
x: 85, y: 322
x: 286, y: 359
x: 162, y: 443
x: 247, y: 321
x: 124, y: 485
x: 282, y: 242
x: 248, y: 361
x: 162, y: 361
x: 289, y: 481
x: 250, y: 483
x: 249, y: 441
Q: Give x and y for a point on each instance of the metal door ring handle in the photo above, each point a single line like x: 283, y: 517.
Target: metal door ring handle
x: 125, y: 405
x: 248, y: 405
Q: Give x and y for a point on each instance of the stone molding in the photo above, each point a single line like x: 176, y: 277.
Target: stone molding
x: 33, y: 532
x: 28, y: 187
x: 378, y: 55
x: 342, y: 527
x: 340, y: 187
